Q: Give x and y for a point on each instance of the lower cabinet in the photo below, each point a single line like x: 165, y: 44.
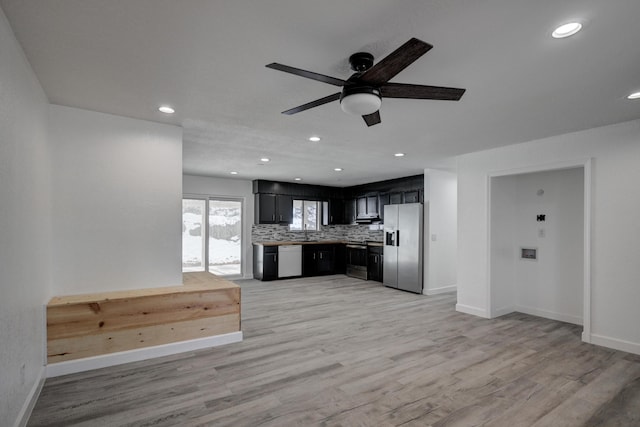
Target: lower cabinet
x: 265, y: 262
x: 375, y: 262
x: 318, y: 260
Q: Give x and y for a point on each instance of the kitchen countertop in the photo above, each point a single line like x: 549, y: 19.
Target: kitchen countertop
x: 312, y: 242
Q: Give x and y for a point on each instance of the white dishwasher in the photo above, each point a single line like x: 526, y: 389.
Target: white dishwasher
x: 289, y: 260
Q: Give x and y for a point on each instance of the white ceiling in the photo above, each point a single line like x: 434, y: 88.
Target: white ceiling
x: 207, y: 59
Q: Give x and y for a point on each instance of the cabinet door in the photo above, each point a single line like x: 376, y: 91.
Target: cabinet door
x: 372, y: 206
x: 339, y: 259
x: 336, y: 211
x: 284, y: 209
x: 270, y: 264
x: 350, y: 211
x: 265, y: 208
x: 395, y: 198
x: 412, y: 196
x: 309, y: 256
x: 383, y: 200
x: 361, y: 207
x: 324, y: 261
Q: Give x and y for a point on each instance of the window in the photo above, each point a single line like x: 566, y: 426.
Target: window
x: 306, y: 215
x: 212, y: 231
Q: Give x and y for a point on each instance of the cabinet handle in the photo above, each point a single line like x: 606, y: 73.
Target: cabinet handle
x: 273, y: 217
x: 320, y: 255
x: 275, y: 258
x: 281, y: 217
x: 376, y: 259
x: 314, y: 255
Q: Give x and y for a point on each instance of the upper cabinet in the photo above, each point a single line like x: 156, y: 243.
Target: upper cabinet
x: 273, y: 209
x: 358, y: 204
x: 367, y: 207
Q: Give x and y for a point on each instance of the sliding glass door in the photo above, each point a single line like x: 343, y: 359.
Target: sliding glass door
x: 225, y: 237
x: 212, y: 231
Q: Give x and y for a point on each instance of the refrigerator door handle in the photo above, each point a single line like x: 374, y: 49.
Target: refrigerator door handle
x: 397, y: 237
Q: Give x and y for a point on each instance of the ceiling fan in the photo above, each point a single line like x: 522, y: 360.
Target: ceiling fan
x: 362, y: 93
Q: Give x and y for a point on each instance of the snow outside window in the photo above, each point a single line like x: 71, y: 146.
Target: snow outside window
x: 212, y: 231
x: 305, y: 215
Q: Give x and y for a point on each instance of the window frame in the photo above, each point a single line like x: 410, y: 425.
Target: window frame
x: 318, y: 204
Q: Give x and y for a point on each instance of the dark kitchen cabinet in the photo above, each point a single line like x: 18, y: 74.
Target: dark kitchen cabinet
x: 384, y: 199
x: 284, y: 209
x: 318, y: 260
x: 340, y: 259
x: 336, y: 211
x: 375, y: 262
x: 412, y: 196
x: 273, y: 209
x: 265, y: 262
x: 395, y: 198
x: 350, y: 211
x: 367, y: 207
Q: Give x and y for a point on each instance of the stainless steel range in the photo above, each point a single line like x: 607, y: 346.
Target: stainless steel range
x: 357, y: 260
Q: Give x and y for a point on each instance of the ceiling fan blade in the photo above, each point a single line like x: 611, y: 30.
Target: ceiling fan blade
x: 308, y: 74
x: 372, y: 119
x: 312, y: 104
x: 395, y: 62
x: 401, y: 90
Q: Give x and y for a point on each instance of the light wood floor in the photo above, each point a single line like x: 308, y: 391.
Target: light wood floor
x: 337, y: 351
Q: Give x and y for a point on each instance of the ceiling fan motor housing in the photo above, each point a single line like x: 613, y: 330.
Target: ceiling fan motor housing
x: 361, y: 61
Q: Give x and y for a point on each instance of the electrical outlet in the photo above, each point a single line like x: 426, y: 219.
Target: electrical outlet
x: 541, y: 232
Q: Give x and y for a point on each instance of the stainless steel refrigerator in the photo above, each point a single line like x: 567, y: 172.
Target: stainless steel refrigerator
x: 403, y: 225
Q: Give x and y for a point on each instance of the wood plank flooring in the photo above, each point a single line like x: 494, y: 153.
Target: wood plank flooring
x: 337, y: 351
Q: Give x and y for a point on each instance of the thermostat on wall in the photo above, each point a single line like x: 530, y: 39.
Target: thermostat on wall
x: 529, y: 253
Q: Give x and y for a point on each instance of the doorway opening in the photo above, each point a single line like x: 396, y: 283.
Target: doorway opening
x: 539, y: 243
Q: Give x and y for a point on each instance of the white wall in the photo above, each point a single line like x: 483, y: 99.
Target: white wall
x: 552, y: 286
x: 117, y: 191
x: 440, y: 231
x: 25, y: 228
x: 503, y: 250
x: 614, y: 232
x: 223, y: 187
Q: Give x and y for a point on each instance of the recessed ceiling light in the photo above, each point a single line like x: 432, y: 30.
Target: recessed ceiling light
x: 337, y: 169
x: 233, y: 173
x: 314, y: 138
x: 634, y: 95
x: 166, y: 109
x: 297, y: 179
x: 566, y: 30
x: 265, y: 159
x: 399, y: 154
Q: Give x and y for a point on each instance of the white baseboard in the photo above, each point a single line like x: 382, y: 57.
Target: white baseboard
x: 442, y: 290
x: 502, y: 311
x: 105, y: 360
x: 472, y: 310
x: 614, y: 343
x: 32, y: 398
x: 569, y: 318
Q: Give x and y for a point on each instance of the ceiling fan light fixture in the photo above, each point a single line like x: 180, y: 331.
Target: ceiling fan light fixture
x: 360, y: 101
x: 566, y: 30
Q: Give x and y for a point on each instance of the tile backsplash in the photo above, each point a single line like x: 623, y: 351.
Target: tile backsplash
x: 280, y: 233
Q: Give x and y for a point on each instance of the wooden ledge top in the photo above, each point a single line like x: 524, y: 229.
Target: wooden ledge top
x: 193, y: 282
